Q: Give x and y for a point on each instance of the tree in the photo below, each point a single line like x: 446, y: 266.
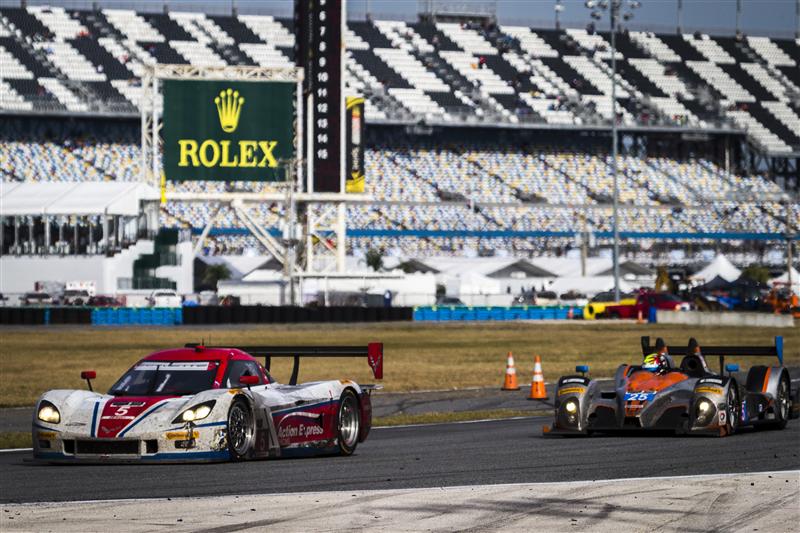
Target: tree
x: 374, y: 259
x: 215, y: 273
x: 756, y: 273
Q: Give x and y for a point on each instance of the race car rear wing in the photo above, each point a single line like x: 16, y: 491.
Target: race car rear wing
x: 776, y: 350
x: 372, y: 351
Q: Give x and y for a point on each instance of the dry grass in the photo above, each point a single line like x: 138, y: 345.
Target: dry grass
x: 15, y: 439
x: 418, y: 356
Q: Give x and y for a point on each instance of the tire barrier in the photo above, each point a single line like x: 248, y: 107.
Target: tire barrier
x: 38, y: 316
x: 200, y: 315
x: 137, y: 316
x: 463, y: 313
x: 256, y: 314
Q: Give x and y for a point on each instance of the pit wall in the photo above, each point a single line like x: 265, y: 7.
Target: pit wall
x: 695, y: 318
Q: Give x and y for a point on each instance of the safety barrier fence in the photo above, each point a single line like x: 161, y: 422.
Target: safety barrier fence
x: 199, y: 315
x: 463, y: 313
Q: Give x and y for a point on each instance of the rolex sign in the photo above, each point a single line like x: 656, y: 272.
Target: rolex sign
x: 228, y: 130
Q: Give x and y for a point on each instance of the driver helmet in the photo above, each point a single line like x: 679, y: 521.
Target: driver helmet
x: 657, y: 361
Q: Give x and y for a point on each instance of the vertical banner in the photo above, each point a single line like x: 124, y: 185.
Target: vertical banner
x: 318, y: 50
x: 354, y: 144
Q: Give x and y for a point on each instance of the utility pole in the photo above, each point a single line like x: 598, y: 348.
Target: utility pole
x: 738, y: 16
x: 558, y: 9
x: 680, y: 15
x: 789, y: 242
x: 614, y: 147
x: 291, y: 240
x: 613, y: 7
x: 797, y: 19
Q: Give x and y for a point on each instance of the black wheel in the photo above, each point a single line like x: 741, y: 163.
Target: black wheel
x: 613, y: 315
x: 240, y: 429
x: 348, y: 423
x: 733, y: 408
x: 783, y: 402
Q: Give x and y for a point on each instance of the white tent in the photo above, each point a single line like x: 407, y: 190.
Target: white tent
x: 75, y: 198
x: 721, y: 267
x: 588, y: 285
x: 784, y: 278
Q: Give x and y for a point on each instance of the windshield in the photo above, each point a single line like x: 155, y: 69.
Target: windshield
x: 166, y: 378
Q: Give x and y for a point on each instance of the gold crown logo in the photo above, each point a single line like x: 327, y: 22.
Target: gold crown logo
x: 229, y: 107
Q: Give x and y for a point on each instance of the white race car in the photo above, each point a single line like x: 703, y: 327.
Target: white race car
x: 201, y: 403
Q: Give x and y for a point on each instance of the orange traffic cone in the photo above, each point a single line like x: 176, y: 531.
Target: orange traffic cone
x: 640, y: 317
x: 510, y: 382
x: 538, y: 391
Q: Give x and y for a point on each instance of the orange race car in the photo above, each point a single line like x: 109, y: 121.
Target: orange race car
x: 687, y: 398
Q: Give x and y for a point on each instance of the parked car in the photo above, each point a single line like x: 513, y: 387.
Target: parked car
x: 36, y: 299
x: 449, y: 301
x: 536, y: 298
x: 573, y: 298
x: 597, y: 305
x: 645, y: 301
x: 164, y: 298
x: 104, y: 301
x: 75, y: 297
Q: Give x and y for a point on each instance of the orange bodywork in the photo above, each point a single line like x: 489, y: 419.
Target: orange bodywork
x: 644, y: 380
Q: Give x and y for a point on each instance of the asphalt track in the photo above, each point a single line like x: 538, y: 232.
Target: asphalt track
x: 490, y: 452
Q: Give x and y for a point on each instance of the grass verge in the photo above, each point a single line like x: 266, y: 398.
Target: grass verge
x: 462, y: 416
x: 418, y: 356
x: 15, y: 439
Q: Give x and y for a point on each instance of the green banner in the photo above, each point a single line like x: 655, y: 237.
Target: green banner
x: 227, y: 130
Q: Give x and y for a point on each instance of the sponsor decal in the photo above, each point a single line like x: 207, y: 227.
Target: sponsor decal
x: 201, y: 366
x: 299, y: 431
x: 49, y: 435
x: 711, y: 380
x: 639, y: 396
x: 722, y: 417
x: 708, y: 390
x: 574, y: 380
x: 178, y: 435
x: 571, y: 390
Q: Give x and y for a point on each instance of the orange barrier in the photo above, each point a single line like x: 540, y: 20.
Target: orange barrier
x: 510, y: 382
x: 538, y: 391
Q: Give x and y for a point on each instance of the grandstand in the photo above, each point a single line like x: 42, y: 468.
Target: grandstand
x: 518, y: 161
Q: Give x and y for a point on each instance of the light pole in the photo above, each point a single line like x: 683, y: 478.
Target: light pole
x: 559, y: 8
x: 613, y: 7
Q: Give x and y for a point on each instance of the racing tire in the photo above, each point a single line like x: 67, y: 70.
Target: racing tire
x: 348, y: 422
x: 733, y: 408
x: 783, y: 402
x: 240, y: 428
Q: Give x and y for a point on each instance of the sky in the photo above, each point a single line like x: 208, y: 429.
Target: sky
x: 717, y: 17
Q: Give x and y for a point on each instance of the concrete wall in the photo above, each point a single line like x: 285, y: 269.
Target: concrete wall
x: 696, y: 318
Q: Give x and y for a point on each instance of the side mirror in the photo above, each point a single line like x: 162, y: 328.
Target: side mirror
x: 583, y: 369
x: 731, y: 367
x: 89, y: 375
x: 249, y: 380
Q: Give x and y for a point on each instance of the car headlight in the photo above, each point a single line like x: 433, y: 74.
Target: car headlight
x: 198, y: 412
x: 48, y: 413
x: 571, y: 409
x: 704, y: 411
